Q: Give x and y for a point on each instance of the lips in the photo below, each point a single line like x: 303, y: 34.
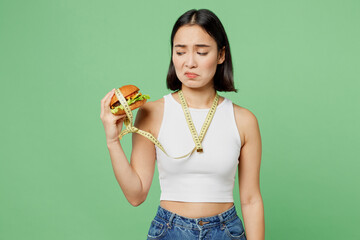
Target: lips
x: 191, y: 75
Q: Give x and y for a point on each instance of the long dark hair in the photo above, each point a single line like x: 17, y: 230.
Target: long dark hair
x: 223, y: 78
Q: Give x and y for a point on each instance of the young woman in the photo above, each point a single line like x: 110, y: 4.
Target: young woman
x: 196, y: 191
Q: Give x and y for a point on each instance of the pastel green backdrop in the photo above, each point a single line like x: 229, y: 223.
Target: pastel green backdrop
x: 296, y: 65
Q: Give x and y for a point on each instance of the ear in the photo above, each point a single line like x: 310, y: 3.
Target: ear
x: 221, y: 56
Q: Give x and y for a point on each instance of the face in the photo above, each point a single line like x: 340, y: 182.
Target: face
x: 195, y: 51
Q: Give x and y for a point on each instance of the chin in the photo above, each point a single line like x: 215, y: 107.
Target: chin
x: 193, y: 83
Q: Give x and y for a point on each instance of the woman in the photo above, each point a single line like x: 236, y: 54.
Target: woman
x: 196, y: 191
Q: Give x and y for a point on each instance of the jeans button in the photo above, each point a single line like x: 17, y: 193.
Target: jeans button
x: 222, y: 227
x: 203, y: 223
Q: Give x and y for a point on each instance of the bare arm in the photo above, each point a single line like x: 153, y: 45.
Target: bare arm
x: 249, y: 176
x: 134, y: 178
x: 126, y: 176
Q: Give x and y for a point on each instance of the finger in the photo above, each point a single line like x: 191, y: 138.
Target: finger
x: 109, y: 96
x: 105, y: 102
x: 105, y: 97
x: 120, y: 116
x: 104, y: 108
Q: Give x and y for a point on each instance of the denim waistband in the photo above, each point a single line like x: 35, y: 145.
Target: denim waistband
x: 196, y: 223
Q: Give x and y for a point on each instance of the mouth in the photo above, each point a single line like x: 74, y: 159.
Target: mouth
x: 191, y: 75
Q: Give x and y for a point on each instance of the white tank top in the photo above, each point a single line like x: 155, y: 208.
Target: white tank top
x: 203, y: 177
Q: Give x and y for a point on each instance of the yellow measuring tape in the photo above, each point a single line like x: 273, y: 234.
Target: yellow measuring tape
x: 130, y: 128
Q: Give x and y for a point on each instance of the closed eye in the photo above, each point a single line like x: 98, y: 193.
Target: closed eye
x: 181, y: 53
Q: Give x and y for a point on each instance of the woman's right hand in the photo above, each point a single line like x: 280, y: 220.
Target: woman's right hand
x: 112, y: 123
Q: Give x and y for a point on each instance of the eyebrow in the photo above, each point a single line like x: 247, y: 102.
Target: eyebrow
x: 197, y: 45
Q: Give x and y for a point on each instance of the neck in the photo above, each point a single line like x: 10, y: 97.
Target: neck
x: 199, y: 97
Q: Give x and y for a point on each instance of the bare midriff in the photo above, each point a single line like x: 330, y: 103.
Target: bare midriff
x: 196, y: 209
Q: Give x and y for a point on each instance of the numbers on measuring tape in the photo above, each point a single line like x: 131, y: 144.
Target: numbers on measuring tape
x: 123, y: 102
x: 198, y: 139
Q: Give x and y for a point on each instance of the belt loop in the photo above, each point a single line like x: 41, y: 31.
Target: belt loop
x: 170, y: 220
x: 221, y: 217
x: 222, y: 224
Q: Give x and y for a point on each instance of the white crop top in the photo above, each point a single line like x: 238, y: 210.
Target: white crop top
x: 203, y: 177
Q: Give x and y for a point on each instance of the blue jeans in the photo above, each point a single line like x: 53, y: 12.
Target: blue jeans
x: 169, y: 225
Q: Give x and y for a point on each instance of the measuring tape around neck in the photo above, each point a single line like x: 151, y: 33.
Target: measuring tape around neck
x: 130, y: 128
x: 198, y: 139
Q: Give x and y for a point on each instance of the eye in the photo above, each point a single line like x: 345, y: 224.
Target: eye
x: 179, y: 53
x: 202, y: 54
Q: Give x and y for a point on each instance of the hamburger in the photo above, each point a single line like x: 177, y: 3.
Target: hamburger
x: 132, y: 96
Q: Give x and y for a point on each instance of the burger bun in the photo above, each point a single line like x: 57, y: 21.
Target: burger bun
x: 133, y: 106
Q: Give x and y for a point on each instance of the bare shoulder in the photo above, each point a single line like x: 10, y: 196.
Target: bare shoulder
x: 244, y: 115
x: 246, y: 122
x: 152, y: 108
x: 149, y: 116
x: 154, y: 105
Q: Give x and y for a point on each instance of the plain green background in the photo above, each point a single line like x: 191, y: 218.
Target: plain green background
x: 296, y: 66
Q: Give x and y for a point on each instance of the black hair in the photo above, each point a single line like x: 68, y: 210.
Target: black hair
x: 206, y: 19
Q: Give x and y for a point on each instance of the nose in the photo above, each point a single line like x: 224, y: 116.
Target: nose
x: 190, y: 61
